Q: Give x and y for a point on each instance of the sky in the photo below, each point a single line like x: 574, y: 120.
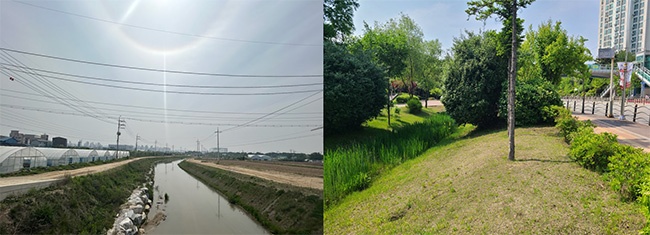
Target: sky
x: 175, y: 71
x: 446, y: 19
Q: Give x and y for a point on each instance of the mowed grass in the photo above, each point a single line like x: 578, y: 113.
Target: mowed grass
x: 469, y: 187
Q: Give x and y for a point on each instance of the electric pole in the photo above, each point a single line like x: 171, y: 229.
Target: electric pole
x: 120, y: 125
x: 137, y: 137
x: 155, y: 145
x: 218, y: 149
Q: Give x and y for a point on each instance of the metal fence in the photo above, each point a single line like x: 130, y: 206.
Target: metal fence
x: 636, y: 110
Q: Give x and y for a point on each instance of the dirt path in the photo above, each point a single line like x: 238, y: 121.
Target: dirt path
x: 18, y: 180
x: 280, y: 177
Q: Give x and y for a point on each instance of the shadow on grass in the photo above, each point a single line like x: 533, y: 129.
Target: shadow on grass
x: 542, y: 160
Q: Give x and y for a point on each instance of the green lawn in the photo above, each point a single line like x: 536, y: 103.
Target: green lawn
x: 469, y: 187
x: 380, y: 124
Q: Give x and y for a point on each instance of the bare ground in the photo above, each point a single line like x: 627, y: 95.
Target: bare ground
x: 285, y: 174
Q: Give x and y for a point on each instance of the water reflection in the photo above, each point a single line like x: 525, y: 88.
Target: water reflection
x: 193, y: 208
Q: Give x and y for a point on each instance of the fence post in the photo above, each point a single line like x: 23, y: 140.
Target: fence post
x: 634, y: 117
x: 593, y: 107
x: 567, y: 104
x: 606, y: 108
x: 574, y: 105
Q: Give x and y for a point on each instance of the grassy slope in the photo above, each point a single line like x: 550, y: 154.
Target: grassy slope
x: 380, y: 124
x: 470, y: 187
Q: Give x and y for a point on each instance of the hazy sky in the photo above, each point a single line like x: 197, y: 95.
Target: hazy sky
x: 259, y: 38
x: 446, y: 19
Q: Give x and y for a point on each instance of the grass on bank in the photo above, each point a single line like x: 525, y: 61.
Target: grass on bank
x: 79, y: 205
x: 469, y: 187
x: 354, y: 165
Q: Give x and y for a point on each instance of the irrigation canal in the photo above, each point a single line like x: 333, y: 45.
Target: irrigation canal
x: 194, y: 208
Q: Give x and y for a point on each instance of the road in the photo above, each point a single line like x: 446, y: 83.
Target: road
x: 21, y: 184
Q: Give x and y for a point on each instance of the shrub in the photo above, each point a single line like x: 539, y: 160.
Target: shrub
x: 553, y: 113
x: 436, y: 93
x: 414, y: 105
x: 473, y: 87
x: 568, y: 125
x: 628, y: 168
x: 404, y: 98
x: 592, y: 150
x: 354, y: 88
x: 532, y: 96
x: 397, y: 110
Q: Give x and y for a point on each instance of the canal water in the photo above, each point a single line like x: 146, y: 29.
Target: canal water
x: 194, y: 208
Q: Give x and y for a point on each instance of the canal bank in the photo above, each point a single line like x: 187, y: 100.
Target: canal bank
x: 281, y: 208
x: 194, y: 208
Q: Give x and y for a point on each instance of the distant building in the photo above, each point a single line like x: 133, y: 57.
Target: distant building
x: 10, y: 141
x: 59, y: 142
x: 122, y: 147
x: 256, y: 157
x: 221, y: 150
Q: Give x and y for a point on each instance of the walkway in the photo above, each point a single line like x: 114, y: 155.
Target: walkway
x: 630, y: 133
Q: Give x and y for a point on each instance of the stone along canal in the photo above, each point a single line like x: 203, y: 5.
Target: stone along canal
x: 194, y: 208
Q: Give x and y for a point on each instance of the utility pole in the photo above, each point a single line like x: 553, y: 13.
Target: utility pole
x: 155, y: 145
x: 137, y: 137
x: 218, y: 149
x: 120, y: 125
x: 625, y: 71
x: 611, y: 88
x: 198, y: 145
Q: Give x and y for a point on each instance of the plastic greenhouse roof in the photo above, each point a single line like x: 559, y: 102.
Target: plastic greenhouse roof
x: 57, y: 153
x: 7, y: 151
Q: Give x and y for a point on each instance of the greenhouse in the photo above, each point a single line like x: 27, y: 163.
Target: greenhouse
x: 108, y: 155
x: 59, y: 156
x: 123, y: 154
x: 87, y: 155
x: 16, y: 158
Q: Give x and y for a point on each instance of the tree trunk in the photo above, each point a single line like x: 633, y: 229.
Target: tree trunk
x: 512, y: 79
x: 388, y: 104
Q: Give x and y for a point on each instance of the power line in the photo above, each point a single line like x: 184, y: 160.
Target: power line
x: 52, y: 86
x: 160, y: 84
x: 170, y: 32
x: 167, y: 91
x: 271, y: 141
x: 162, y: 70
x: 131, y: 112
x: 152, y: 108
x: 155, y: 121
x: 257, y: 119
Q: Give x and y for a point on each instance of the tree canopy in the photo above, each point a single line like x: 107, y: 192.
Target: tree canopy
x: 474, y: 79
x: 337, y: 18
x: 550, y: 53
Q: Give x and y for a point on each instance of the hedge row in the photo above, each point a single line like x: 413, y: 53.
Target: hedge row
x: 627, y: 169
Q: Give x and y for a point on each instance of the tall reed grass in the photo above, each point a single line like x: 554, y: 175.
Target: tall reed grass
x: 351, y: 168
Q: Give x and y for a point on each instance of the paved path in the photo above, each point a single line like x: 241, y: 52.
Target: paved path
x: 635, y: 134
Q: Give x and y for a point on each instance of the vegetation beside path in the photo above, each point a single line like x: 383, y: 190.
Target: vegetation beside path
x: 281, y: 208
x: 79, y: 205
x: 470, y: 187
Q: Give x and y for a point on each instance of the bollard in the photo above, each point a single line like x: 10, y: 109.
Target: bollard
x: 574, y: 105
x: 606, y: 108
x: 567, y: 104
x: 634, y: 116
x: 593, y: 107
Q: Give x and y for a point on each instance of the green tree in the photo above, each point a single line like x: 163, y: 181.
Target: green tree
x: 506, y: 10
x: 550, y: 53
x: 474, y: 79
x: 337, y: 18
x: 355, y: 88
x: 430, y: 72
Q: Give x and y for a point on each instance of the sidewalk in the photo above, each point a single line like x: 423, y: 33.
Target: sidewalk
x: 628, y: 132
